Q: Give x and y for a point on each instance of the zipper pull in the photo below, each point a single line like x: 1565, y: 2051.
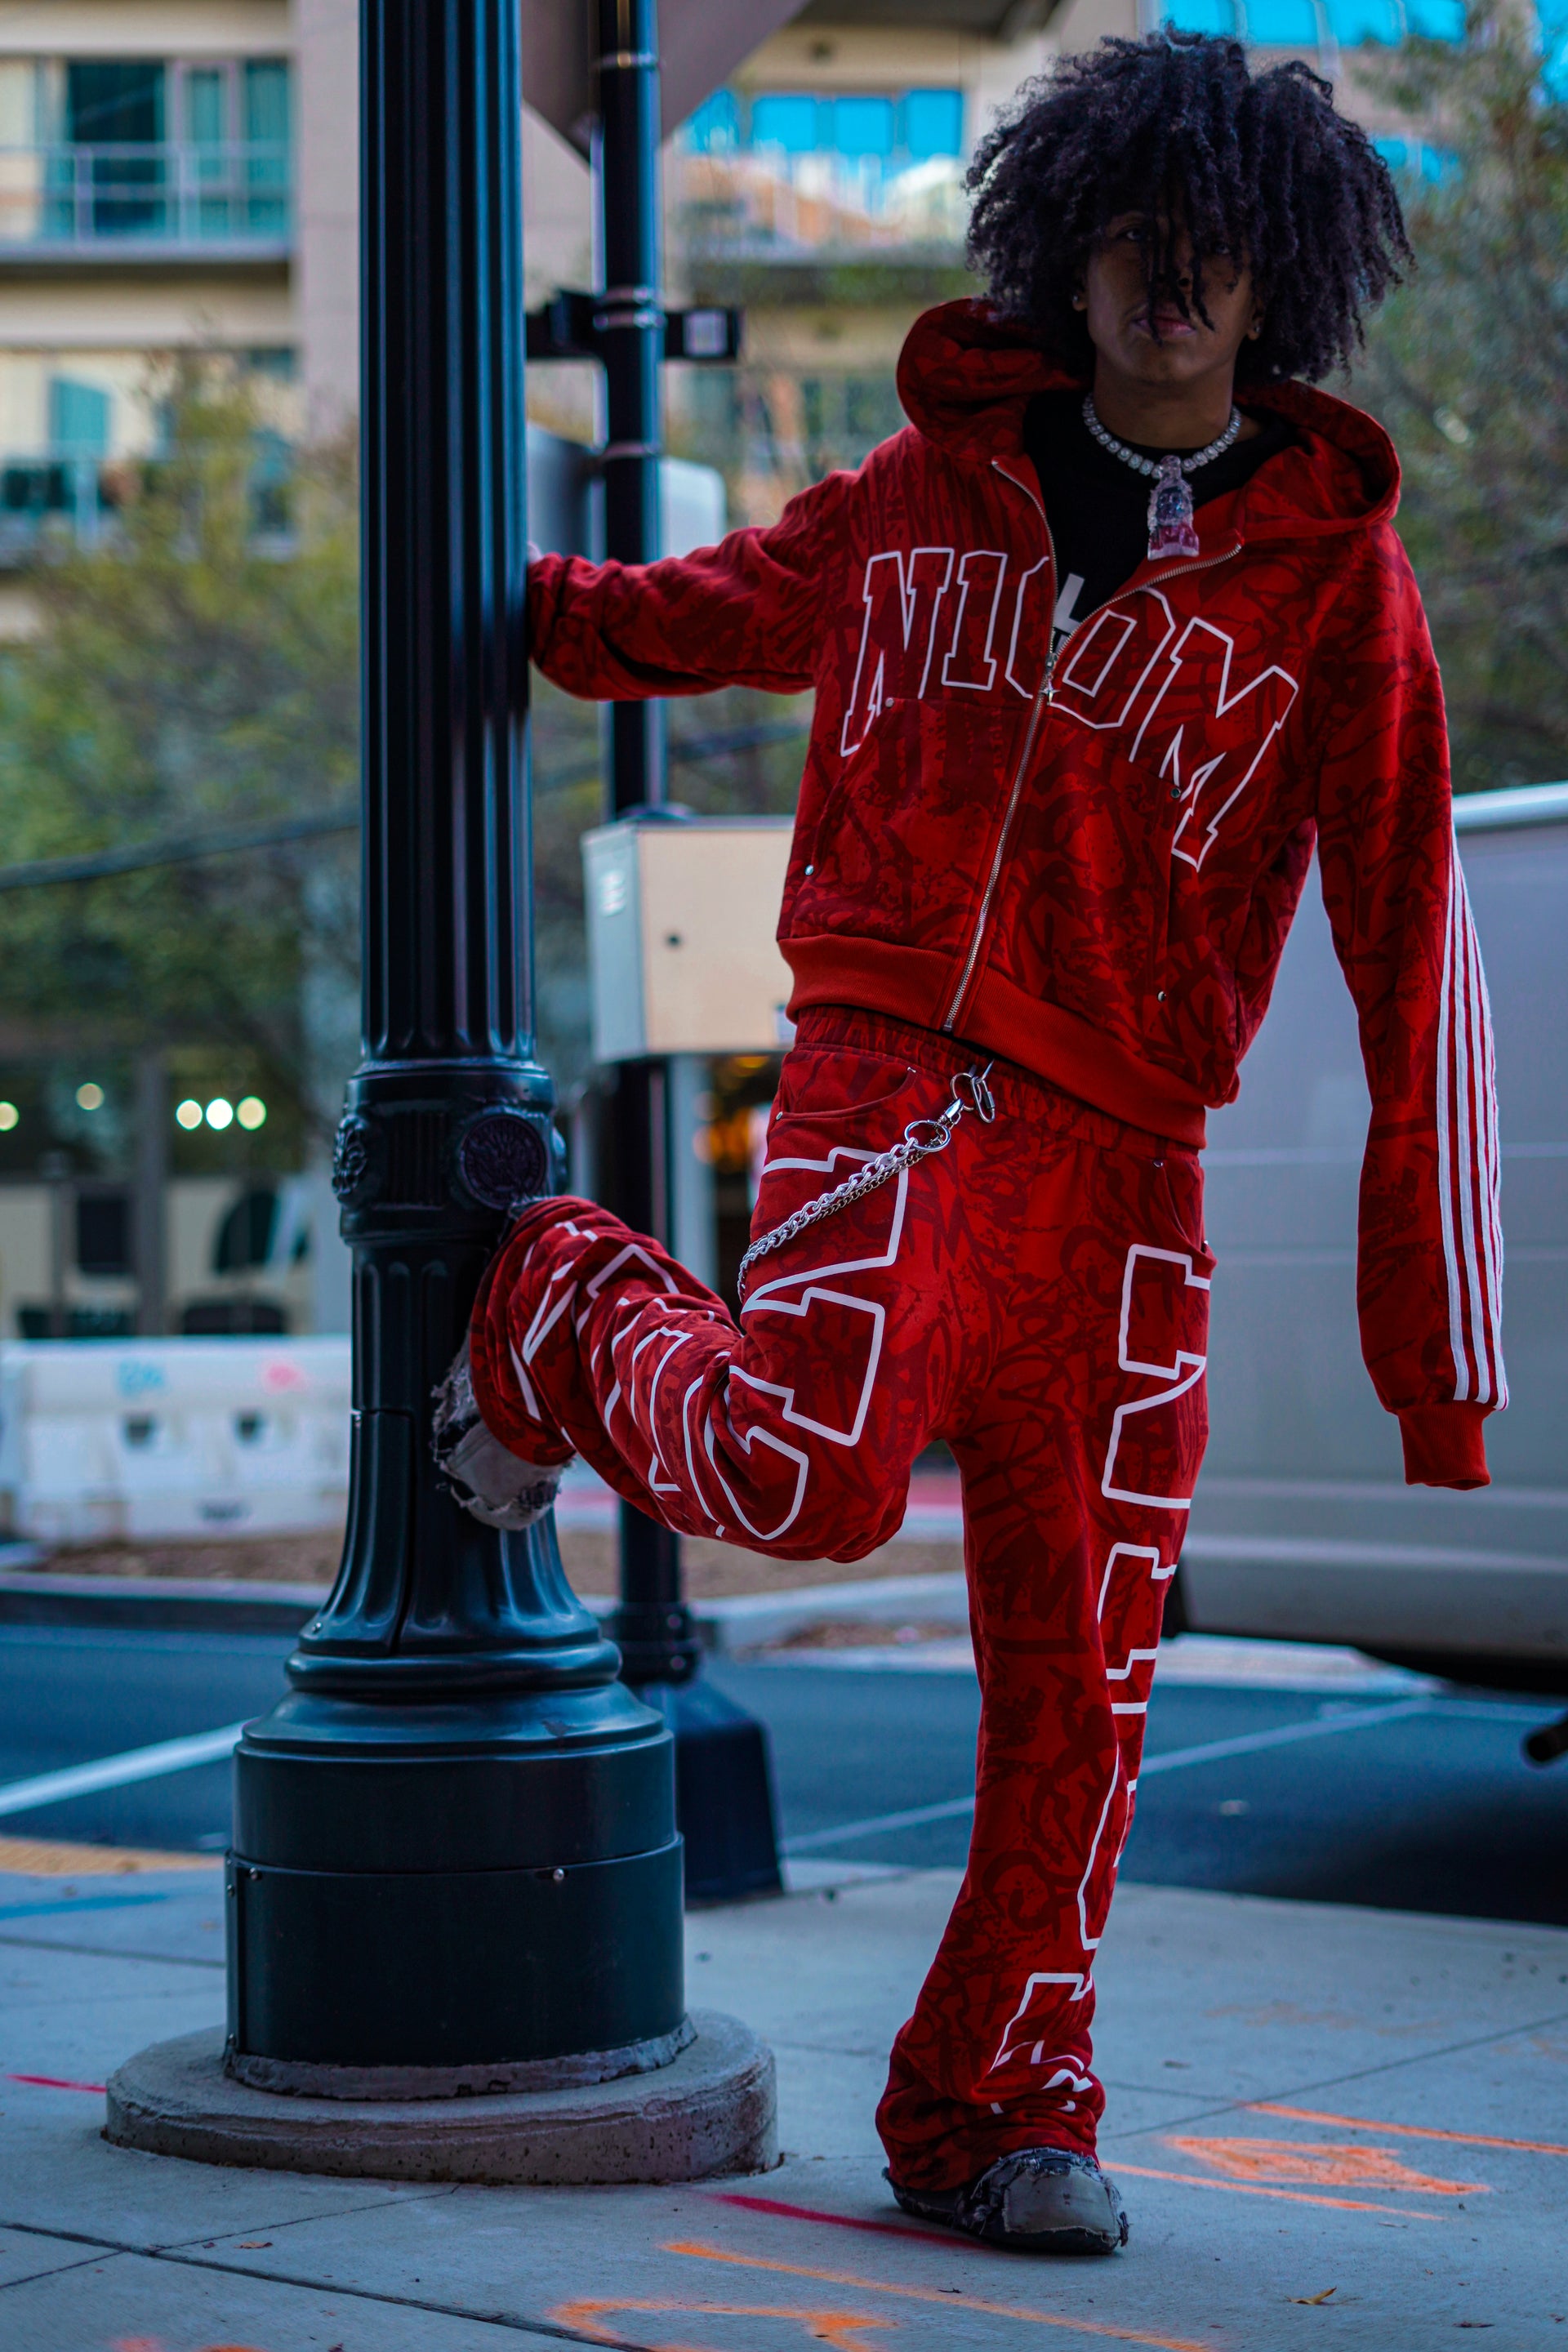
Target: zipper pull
x: 1048, y: 684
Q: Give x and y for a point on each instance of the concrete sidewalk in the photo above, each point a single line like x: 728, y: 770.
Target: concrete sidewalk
x: 1327, y: 2122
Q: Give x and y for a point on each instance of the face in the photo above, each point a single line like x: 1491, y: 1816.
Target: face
x: 1158, y: 347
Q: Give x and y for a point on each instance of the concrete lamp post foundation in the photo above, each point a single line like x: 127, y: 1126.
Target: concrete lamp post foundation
x: 710, y: 2109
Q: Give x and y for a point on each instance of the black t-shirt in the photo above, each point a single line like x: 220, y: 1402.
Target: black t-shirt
x: 1098, y: 508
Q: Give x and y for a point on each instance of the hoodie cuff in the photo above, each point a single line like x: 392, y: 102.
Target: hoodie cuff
x: 1444, y: 1445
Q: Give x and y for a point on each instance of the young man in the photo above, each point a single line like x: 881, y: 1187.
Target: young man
x: 1099, y: 658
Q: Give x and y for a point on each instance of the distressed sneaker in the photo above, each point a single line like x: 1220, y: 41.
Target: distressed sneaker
x: 1042, y: 2200
x: 485, y: 1478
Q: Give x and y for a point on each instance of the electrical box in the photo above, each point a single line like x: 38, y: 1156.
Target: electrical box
x: 681, y: 953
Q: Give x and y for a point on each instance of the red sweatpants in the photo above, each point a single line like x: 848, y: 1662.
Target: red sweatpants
x: 1036, y: 1294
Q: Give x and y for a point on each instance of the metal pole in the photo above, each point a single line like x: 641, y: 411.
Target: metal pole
x: 454, y: 1839
x: 723, y: 1785
x: 652, y: 1625
x: 55, y: 1168
x: 149, y: 1193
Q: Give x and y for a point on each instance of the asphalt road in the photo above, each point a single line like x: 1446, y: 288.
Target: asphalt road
x: 1422, y: 1805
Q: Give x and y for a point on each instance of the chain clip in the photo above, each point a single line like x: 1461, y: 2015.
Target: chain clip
x: 921, y: 1139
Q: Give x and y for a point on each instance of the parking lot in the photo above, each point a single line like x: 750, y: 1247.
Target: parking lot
x: 1398, y: 1794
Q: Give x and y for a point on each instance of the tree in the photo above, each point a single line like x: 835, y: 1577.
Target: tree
x: 198, y: 668
x: 195, y: 668
x: 1467, y: 367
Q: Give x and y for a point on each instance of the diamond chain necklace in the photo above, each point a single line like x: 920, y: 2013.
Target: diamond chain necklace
x: 1172, y: 531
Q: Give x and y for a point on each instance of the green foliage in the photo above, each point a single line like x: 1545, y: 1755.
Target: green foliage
x: 1467, y: 368
x: 195, y: 668
x: 199, y: 670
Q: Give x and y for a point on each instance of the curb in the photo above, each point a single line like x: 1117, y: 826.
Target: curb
x: 166, y: 1603
x: 188, y: 1604
x: 752, y: 1620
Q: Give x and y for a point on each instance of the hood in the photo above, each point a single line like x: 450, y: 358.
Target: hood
x: 965, y: 377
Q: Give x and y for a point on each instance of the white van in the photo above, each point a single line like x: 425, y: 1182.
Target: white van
x: 1302, y: 1526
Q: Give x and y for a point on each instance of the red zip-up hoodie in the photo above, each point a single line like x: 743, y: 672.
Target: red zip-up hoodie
x: 1088, y: 866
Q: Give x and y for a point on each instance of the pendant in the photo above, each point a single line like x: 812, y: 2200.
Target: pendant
x: 1171, y: 527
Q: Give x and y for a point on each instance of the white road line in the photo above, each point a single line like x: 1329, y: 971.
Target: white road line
x: 917, y: 1814
x: 1173, y: 1760
x: 1323, y: 1726
x: 115, y: 1771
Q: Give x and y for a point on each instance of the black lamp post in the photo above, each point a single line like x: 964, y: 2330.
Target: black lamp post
x: 454, y: 1839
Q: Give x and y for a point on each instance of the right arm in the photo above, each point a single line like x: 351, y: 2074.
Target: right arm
x: 746, y: 613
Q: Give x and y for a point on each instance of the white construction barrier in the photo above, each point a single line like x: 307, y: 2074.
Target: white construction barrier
x: 173, y: 1438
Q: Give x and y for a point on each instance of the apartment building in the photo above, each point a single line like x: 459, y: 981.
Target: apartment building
x: 823, y: 188
x: 183, y: 172
x: 147, y: 203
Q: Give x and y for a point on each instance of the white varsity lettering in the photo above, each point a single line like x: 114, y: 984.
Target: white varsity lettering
x: 970, y: 662
x: 1176, y: 685
x: 897, y: 634
x: 1142, y: 1428
x: 1218, y: 766
x: 1026, y: 680
x: 1111, y: 659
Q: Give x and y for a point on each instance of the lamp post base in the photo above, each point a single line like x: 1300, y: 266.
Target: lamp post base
x: 711, y: 2110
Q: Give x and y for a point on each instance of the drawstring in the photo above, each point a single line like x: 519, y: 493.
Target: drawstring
x: 922, y: 1138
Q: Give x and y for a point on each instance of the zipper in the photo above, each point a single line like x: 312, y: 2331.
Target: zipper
x: 1043, y: 698
x: 1041, y: 702
x: 1014, y: 793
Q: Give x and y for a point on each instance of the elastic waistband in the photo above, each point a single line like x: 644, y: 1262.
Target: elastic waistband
x: 1020, y: 1092
x: 1060, y: 1048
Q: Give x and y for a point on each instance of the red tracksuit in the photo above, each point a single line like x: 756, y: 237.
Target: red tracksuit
x: 1082, y: 872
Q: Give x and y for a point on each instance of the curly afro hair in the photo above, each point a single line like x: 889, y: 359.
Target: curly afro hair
x: 1260, y: 164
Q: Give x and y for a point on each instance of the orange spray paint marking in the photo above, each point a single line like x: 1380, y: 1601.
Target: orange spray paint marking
x: 1289, y: 2196
x: 1315, y: 2166
x: 843, y: 2330
x: 1407, y: 2131
x: 933, y: 2295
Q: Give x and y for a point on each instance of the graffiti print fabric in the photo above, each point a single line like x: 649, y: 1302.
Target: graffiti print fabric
x: 1090, y: 868
x: 1036, y: 1294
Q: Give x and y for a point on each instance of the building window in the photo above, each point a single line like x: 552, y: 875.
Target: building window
x: 144, y: 151
x: 1282, y: 24
x: 933, y: 124
x: 793, y: 169
x: 1417, y: 157
x: 910, y: 127
x: 1320, y: 24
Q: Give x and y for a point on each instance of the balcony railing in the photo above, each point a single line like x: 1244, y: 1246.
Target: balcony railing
x: 97, y: 200
x: 63, y: 499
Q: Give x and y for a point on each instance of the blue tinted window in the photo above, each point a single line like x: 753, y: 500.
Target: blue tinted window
x: 783, y: 119
x: 79, y: 419
x: 933, y: 122
x: 863, y: 126
x: 1202, y: 15
x: 716, y: 123
x: 1441, y: 20
x: 1553, y: 17
x: 1356, y: 21
x: 1282, y: 24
